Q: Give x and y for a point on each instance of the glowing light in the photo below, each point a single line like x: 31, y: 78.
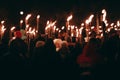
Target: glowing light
x: 72, y: 27
x: 92, y: 27
x: 69, y: 18
x: 57, y: 29
x: 21, y: 12
x: 63, y: 28
x: 100, y: 31
x: 87, y: 22
x: 28, y: 16
x: 89, y: 33
x: 82, y: 24
x: 77, y: 32
x: 27, y: 26
x: 3, y: 29
x: 48, y: 22
x: 118, y: 23
x: 106, y: 24
x: 12, y: 28
x: 115, y: 26
x: 108, y: 30
x: 38, y: 16
x: 111, y: 24
x: 104, y: 14
x: 116, y: 29
x: 102, y: 35
x: 21, y: 21
x: 2, y: 22
x: 100, y: 26
x: 90, y: 18
x: 72, y: 34
x: 54, y: 28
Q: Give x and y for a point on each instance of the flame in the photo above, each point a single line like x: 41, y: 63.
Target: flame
x: 12, y: 28
x: 104, y: 14
x: 102, y: 35
x: 100, y: 31
x: 100, y: 26
x: 72, y: 27
x: 63, y: 27
x: 108, y: 29
x: 118, y: 23
x: 116, y: 29
x: 54, y: 28
x: 38, y: 16
x: 89, y: 19
x: 115, y: 26
x: 112, y: 24
x: 69, y: 18
x: 72, y: 34
x: 28, y: 16
x: 92, y: 27
x: 48, y: 22
x: 57, y: 29
x: 21, y: 21
x: 2, y: 22
x: 77, y: 32
x: 82, y: 24
x: 87, y: 22
x: 3, y: 29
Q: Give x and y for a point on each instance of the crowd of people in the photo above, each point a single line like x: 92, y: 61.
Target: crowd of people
x: 46, y: 59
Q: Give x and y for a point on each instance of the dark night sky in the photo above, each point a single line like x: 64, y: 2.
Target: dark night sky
x: 82, y: 8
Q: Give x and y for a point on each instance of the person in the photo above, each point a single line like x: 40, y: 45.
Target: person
x: 15, y: 61
x: 89, y: 53
x: 4, y: 46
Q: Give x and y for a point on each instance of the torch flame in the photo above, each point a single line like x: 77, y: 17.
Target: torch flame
x: 12, y: 28
x: 104, y: 14
x: 28, y: 16
x: 69, y: 18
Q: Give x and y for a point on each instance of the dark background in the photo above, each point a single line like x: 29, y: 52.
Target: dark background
x: 57, y: 9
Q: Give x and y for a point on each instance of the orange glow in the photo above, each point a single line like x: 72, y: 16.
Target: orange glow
x: 112, y: 24
x: 63, y: 28
x: 28, y: 16
x: 72, y: 34
x: 118, y: 23
x: 72, y: 27
x: 12, y: 28
x: 69, y: 18
x: 38, y: 16
x: 87, y: 22
x: 54, y: 28
x: 57, y: 29
x: 92, y: 27
x: 3, y: 29
x: 82, y: 24
x: 104, y: 14
x: 21, y: 21
x: 2, y: 22
x: 90, y: 18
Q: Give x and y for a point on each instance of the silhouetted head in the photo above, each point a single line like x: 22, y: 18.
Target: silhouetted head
x: 18, y: 46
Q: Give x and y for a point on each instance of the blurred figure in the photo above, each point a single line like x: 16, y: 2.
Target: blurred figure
x: 4, y: 46
x: 64, y: 51
x: 76, y: 51
x: 89, y: 53
x: 57, y: 43
x: 14, y: 62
